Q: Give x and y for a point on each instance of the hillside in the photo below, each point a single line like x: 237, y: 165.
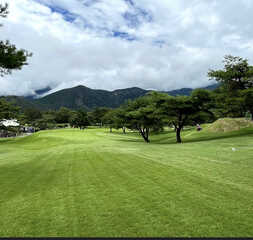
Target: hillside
x: 84, y: 97
x: 22, y: 102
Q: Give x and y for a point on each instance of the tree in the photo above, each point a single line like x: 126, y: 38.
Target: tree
x: 248, y: 100
x: 80, y: 119
x: 140, y: 115
x: 183, y: 110
x: 32, y: 114
x: 119, y: 118
x: 236, y: 75
x: 109, y: 119
x: 11, y: 58
x: 3, y: 10
x: 63, y: 115
x: 8, y: 110
x: 227, y: 104
x: 98, y: 114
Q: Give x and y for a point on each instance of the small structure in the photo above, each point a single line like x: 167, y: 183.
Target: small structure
x: 7, y: 127
x: 10, y: 123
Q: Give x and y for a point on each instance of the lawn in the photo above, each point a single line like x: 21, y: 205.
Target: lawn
x: 87, y: 183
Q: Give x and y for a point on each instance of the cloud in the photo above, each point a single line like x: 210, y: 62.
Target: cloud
x: 124, y: 43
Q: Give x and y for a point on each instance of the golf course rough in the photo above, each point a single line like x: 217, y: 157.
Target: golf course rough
x: 72, y: 183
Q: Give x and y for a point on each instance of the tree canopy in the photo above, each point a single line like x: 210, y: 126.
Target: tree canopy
x: 140, y: 115
x: 11, y: 58
x: 8, y: 110
x: 236, y: 75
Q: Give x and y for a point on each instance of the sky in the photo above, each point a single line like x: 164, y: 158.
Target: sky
x: 113, y: 44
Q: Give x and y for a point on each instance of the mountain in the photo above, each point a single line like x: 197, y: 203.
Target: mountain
x: 187, y: 91
x: 84, y: 97
x: 22, y: 102
x: 38, y: 93
x: 181, y: 92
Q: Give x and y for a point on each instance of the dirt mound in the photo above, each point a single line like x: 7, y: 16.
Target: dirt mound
x: 229, y: 124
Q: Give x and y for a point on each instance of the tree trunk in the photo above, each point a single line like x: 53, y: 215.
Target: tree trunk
x: 110, y: 130
x: 145, y: 134
x: 179, y: 135
x: 124, y: 130
x: 251, y: 112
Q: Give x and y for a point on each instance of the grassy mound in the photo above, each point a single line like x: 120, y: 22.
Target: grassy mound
x: 229, y: 124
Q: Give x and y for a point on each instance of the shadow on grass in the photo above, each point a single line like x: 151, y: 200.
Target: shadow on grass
x: 218, y: 136
x: 170, y: 137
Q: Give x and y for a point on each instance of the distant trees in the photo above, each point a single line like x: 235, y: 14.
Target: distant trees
x: 11, y: 58
x: 79, y: 119
x: 63, y: 115
x: 109, y: 119
x: 248, y: 100
x: 82, y: 119
x: 8, y: 110
x: 115, y: 118
x: 97, y: 115
x: 32, y: 114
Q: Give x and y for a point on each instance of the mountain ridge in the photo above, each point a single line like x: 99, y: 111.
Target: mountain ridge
x: 83, y: 97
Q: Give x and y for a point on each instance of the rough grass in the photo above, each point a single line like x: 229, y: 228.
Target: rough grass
x: 87, y: 183
x: 230, y: 124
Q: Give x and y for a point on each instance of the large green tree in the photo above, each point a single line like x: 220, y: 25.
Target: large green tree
x: 236, y: 75
x: 235, y: 79
x: 140, y: 115
x: 184, y: 110
x: 80, y: 119
x: 11, y: 58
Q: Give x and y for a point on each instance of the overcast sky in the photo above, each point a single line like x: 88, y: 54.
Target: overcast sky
x: 111, y: 44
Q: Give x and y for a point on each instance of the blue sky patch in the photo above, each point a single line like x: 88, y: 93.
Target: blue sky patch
x: 159, y: 43
x: 130, y: 2
x: 123, y: 35
x: 136, y: 16
x: 68, y: 16
x: 89, y: 3
x: 131, y: 19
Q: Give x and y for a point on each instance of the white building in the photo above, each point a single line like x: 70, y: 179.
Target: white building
x: 10, y: 123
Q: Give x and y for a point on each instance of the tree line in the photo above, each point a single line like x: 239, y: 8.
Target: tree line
x: 154, y: 111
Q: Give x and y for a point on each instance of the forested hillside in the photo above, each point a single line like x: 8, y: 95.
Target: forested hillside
x: 84, y: 97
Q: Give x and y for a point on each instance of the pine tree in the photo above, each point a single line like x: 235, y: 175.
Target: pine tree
x: 11, y: 58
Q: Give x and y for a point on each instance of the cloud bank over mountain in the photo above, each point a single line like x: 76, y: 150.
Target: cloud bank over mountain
x: 103, y: 44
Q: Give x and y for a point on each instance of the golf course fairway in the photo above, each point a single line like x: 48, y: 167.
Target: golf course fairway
x: 93, y: 183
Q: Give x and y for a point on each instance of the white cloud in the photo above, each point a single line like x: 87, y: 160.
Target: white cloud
x: 85, y: 42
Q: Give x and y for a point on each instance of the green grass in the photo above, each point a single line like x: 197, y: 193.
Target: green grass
x: 87, y: 183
